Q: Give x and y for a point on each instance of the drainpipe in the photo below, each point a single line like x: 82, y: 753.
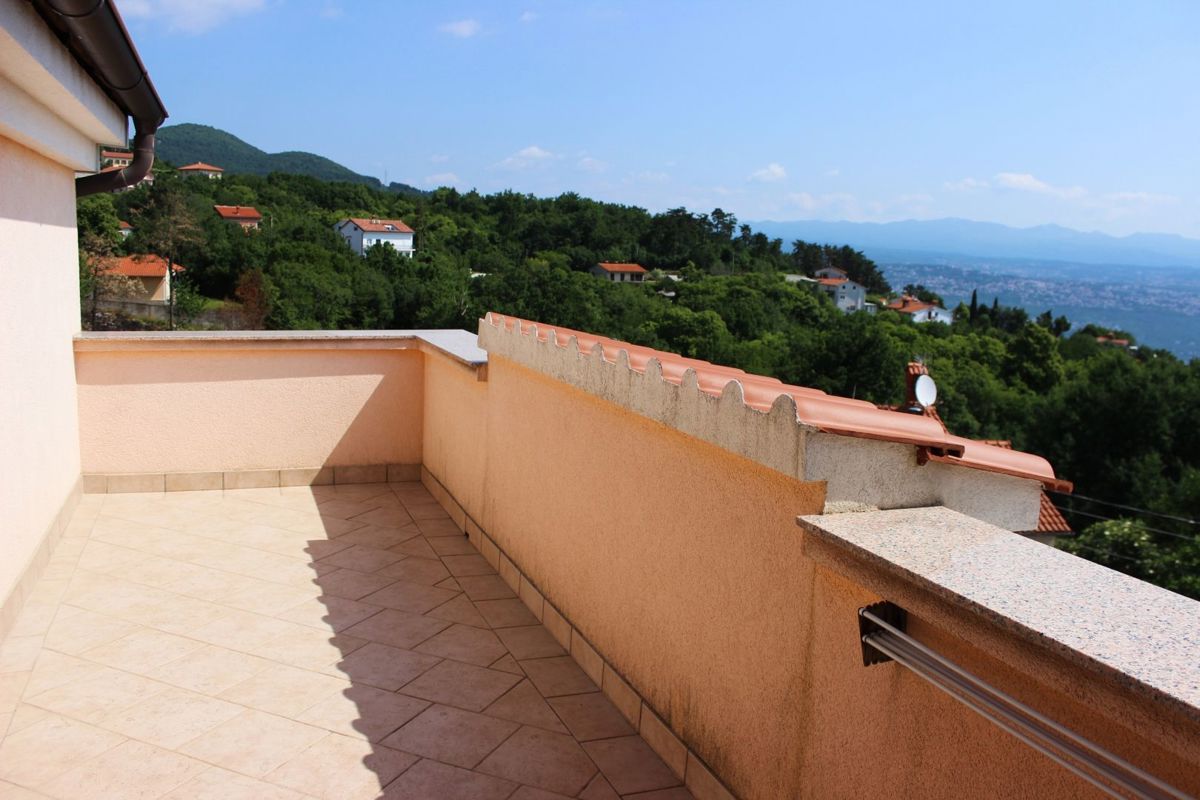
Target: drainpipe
x: 95, y: 34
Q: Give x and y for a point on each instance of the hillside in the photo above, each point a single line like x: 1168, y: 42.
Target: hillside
x: 187, y: 143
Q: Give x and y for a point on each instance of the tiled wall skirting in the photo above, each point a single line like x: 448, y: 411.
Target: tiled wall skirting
x: 687, y: 765
x: 248, y: 478
x: 15, y: 601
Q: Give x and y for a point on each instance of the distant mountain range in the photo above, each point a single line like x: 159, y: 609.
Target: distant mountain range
x: 917, y: 240
x: 188, y: 143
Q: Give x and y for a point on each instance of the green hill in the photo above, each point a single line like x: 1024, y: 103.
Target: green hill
x: 188, y: 143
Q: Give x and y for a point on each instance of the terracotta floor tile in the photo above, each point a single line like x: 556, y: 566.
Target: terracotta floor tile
x: 170, y: 718
x: 253, y: 743
x: 508, y: 664
x: 417, y: 570
x: 451, y: 735
x: 530, y: 641
x: 379, y: 538
x: 630, y: 765
x: 142, y: 651
x: 329, y: 613
x: 416, y: 547
x: 350, y: 584
x: 469, y: 565
x: 384, y: 667
x: 674, y: 793
x: 210, y: 670
x: 363, y: 559
x: 449, y: 583
x: 397, y: 628
x: 130, y: 770
x: 439, y: 527
x: 387, y: 517
x: 461, y: 685
x: 221, y: 784
x: 345, y: 508
x: 460, y: 610
x: 458, y: 545
x: 531, y: 793
x: 287, y: 691
x: 342, y: 768
x: 39, y: 753
x: 591, y: 716
x: 464, y: 643
x: 543, y: 759
x: 485, y: 587
x: 416, y: 598
x: 599, y: 789
x: 364, y: 712
x: 506, y: 613
x: 523, y: 704
x: 427, y: 780
x: 556, y: 676
x: 422, y: 511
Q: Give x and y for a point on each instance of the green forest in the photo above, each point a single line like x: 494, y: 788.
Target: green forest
x: 1122, y: 424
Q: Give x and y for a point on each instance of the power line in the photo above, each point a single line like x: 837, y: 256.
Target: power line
x: 1108, y: 553
x: 1146, y: 511
x: 1141, y: 525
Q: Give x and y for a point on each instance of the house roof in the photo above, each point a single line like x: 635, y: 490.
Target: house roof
x: 380, y: 225
x: 832, y: 281
x: 115, y: 154
x: 826, y: 413
x: 609, y: 266
x: 123, y: 225
x: 1050, y: 519
x: 238, y: 212
x: 142, y: 266
x: 907, y: 304
x: 200, y: 166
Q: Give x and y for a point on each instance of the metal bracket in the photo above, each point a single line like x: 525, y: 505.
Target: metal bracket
x: 890, y: 613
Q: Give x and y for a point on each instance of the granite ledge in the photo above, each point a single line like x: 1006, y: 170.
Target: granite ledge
x: 1145, y: 637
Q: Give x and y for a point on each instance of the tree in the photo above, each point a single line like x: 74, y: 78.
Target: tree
x: 97, y: 281
x: 165, y: 226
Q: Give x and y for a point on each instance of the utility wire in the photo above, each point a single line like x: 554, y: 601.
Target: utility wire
x: 1183, y: 536
x: 1108, y: 553
x: 1171, y: 517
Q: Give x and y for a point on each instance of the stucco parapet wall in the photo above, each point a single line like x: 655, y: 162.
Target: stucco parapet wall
x: 459, y: 346
x: 1144, y: 638
x: 712, y: 404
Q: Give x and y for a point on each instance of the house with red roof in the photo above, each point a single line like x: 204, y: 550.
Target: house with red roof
x: 202, y: 169
x: 361, y: 233
x: 150, y: 273
x: 118, y: 158
x: 245, y: 216
x: 919, y: 310
x: 619, y: 273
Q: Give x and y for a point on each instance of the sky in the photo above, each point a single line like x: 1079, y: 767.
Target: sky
x: 1082, y: 114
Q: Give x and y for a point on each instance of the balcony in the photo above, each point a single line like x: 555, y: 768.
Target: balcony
x: 542, y: 564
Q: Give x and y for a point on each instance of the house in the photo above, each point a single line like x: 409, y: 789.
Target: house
x: 246, y: 216
x: 124, y: 229
x: 117, y: 158
x: 919, y: 310
x: 362, y: 233
x: 847, y: 295
x: 202, y: 169
x: 149, y: 273
x: 830, y: 272
x: 619, y: 273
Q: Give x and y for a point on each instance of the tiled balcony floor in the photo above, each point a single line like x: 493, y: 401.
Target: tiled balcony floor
x: 338, y: 642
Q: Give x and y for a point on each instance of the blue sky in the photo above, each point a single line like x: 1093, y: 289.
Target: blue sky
x: 1084, y: 114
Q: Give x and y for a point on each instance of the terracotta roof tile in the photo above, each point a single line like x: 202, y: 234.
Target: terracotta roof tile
x: 115, y: 154
x: 238, y: 212
x: 827, y: 413
x: 142, y: 266
x: 832, y: 281
x: 1050, y: 519
x: 611, y: 266
x: 200, y: 166
x: 381, y: 225
x: 125, y: 226
x: 909, y: 305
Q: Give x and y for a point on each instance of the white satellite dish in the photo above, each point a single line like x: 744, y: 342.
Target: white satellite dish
x: 925, y: 390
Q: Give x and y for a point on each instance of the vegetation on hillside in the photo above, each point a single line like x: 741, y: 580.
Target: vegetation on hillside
x: 1124, y: 425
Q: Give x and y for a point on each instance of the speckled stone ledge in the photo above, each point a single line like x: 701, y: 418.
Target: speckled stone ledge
x: 1144, y: 637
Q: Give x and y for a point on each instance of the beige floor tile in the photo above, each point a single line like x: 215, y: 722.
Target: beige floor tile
x: 630, y: 765
x: 221, y: 784
x: 397, y: 628
x: 523, y: 704
x: 130, y: 771
x: 19, y: 653
x: 429, y: 779
x: 346, y: 508
x: 464, y: 643
x: 415, y: 598
x: 93, y: 698
x: 599, y: 789
x: 10, y: 791
x: 452, y: 545
x: 80, y: 631
x: 12, y: 687
x: 427, y: 511
x: 54, y: 669
x: 507, y: 663
x: 253, y: 743
x: 384, y: 666
x: 557, y: 676
x: 530, y: 641
x: 349, y: 583
x: 287, y: 691
x: 363, y: 712
x: 363, y: 559
x: 468, y: 566
x: 309, y: 648
x: 386, y: 517
x: 210, y: 670
x: 243, y: 630
x: 176, y: 614
x: 485, y: 587
x: 417, y: 570
x: 460, y: 610
x: 142, y: 651
x: 532, y: 793
x: 440, y: 527
x: 34, y: 620
x: 170, y: 718
x: 329, y: 613
x: 377, y: 537
x: 342, y: 768
x: 451, y: 735
x: 505, y: 613
x: 461, y: 685
x: 268, y: 599
x: 26, y: 716
x: 591, y: 716
x: 537, y: 757
x: 41, y: 752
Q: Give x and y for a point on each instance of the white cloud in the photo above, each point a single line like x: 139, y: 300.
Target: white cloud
x: 528, y: 16
x: 442, y: 179
x: 190, y: 16
x: 771, y: 173
x: 1024, y: 182
x: 1140, y: 198
x: 965, y: 185
x: 525, y: 158
x: 461, y: 29
x: 589, y: 164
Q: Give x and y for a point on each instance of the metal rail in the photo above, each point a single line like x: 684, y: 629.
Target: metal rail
x: 884, y: 641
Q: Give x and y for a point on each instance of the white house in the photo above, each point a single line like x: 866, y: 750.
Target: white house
x: 619, y: 273
x: 921, y: 311
x: 831, y: 272
x: 361, y: 234
x: 847, y: 295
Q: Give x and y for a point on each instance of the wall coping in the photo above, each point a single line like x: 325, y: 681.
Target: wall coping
x: 1143, y: 637
x: 461, y: 346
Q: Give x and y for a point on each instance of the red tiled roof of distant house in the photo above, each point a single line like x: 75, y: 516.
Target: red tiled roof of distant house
x: 832, y: 281
x: 1050, y: 519
x: 382, y: 225
x: 200, y: 166
x: 125, y: 226
x: 115, y: 154
x: 238, y: 212
x: 143, y: 266
x: 826, y: 413
x: 909, y: 305
x: 609, y: 266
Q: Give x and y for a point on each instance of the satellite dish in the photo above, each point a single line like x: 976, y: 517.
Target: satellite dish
x: 925, y: 390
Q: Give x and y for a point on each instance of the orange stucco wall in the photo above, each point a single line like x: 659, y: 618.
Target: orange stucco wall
x: 156, y: 410
x: 683, y: 565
